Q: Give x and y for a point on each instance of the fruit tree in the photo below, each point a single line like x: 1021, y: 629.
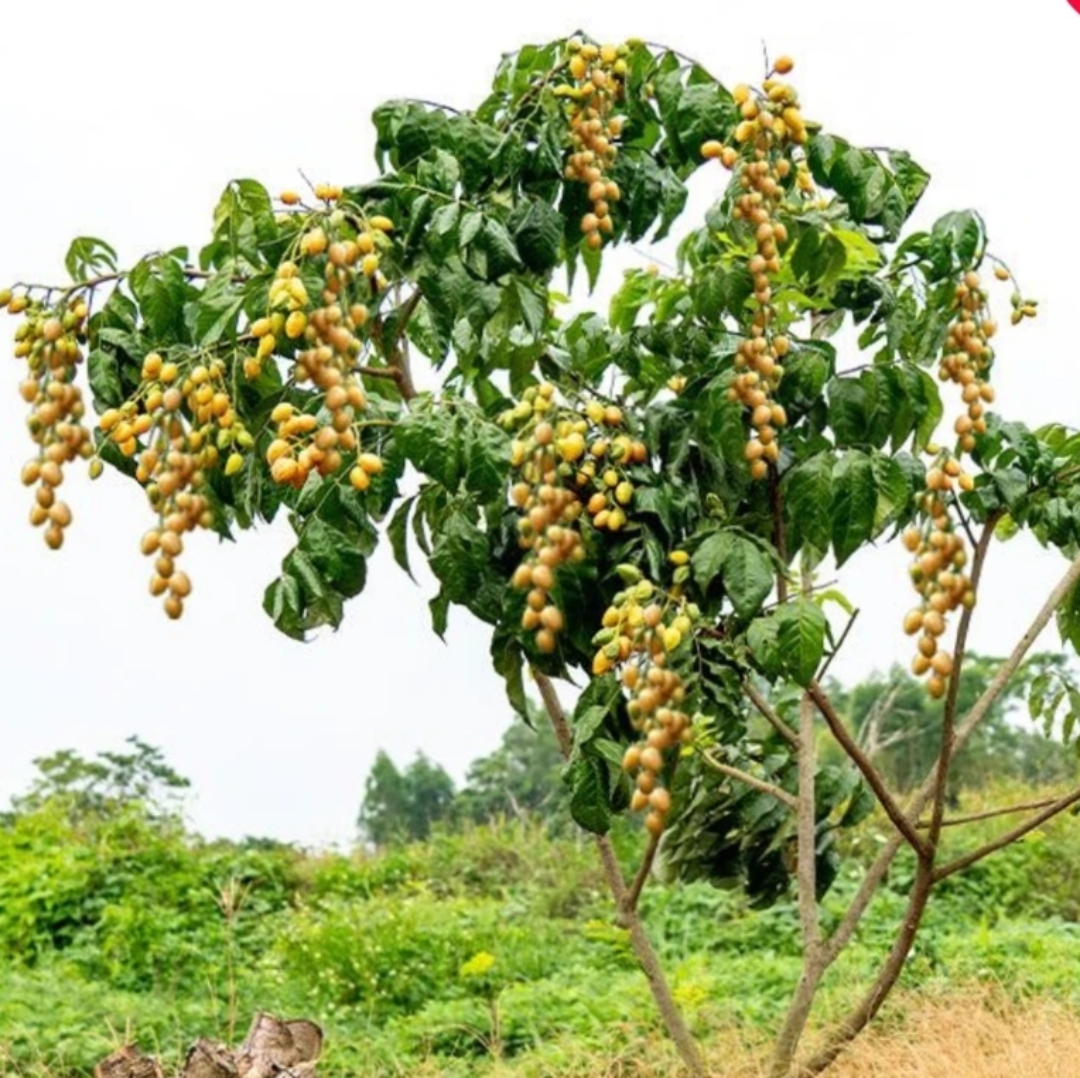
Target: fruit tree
x: 638, y: 502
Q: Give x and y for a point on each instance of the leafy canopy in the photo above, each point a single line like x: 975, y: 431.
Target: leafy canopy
x: 635, y: 497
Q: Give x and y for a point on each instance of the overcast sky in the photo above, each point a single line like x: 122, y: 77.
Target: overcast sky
x: 125, y: 121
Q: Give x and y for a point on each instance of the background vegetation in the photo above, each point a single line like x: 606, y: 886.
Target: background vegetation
x: 471, y: 931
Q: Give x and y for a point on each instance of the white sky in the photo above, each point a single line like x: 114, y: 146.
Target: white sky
x: 125, y: 121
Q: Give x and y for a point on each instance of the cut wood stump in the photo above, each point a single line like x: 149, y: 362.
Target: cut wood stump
x: 273, y: 1048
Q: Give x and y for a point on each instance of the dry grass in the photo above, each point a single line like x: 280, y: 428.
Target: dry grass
x: 972, y: 1035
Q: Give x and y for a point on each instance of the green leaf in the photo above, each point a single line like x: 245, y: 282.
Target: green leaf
x: 1068, y: 620
x: 745, y: 569
x: 807, y: 494
x: 854, y: 504
x: 283, y: 601
x: 893, y: 490
x: 588, y: 722
x: 87, y: 257
x: 459, y: 558
x: 508, y: 660
x: 748, y: 576
x: 335, y: 556
x: 397, y: 532
x: 801, y: 627
x: 105, y: 378
x: 487, y: 458
x: 763, y: 639
x: 537, y: 229
x: 848, y: 410
x: 587, y: 780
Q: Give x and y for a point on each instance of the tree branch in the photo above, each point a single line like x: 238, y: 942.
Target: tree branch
x: 839, y: 644
x: 1009, y: 837
x: 989, y: 814
x: 630, y: 917
x: 948, y: 721
x: 769, y: 715
x: 807, y: 830
x: 779, y: 535
x: 629, y: 901
x: 745, y: 777
x: 1008, y: 668
x: 863, y: 897
x: 862, y: 762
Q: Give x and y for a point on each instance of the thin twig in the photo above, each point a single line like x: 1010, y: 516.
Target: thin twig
x: 779, y: 536
x: 863, y: 763
x: 745, y: 777
x: 839, y: 644
x: 1008, y: 837
x: 1009, y: 667
x: 990, y: 814
x: 769, y: 715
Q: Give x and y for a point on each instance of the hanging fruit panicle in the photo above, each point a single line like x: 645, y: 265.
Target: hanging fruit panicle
x: 568, y: 462
x: 178, y: 425
x: 770, y: 170
x: 939, y: 549
x: 938, y: 572
x: 328, y: 341
x: 642, y: 629
x: 598, y: 73
x: 50, y: 340
x: 968, y: 356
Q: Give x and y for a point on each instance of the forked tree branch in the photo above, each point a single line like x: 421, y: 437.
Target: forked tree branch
x: 747, y: 779
x: 1009, y: 837
x: 873, y: 777
x: 1008, y: 668
x: 629, y: 916
x: 769, y: 715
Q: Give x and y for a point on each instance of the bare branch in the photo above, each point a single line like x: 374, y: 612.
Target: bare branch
x: 747, y: 779
x: 779, y: 536
x: 807, y: 829
x: 839, y: 644
x: 863, y: 897
x: 863, y: 763
x: 630, y: 899
x: 948, y: 721
x: 989, y: 814
x: 769, y: 714
x: 1009, y: 667
x: 1009, y: 837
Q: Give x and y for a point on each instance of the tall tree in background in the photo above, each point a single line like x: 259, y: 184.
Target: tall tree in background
x: 403, y: 805
x: 521, y: 778
x: 899, y: 727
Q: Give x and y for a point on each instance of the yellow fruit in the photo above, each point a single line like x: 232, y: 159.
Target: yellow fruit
x: 783, y: 65
x: 371, y: 463
x: 295, y: 325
